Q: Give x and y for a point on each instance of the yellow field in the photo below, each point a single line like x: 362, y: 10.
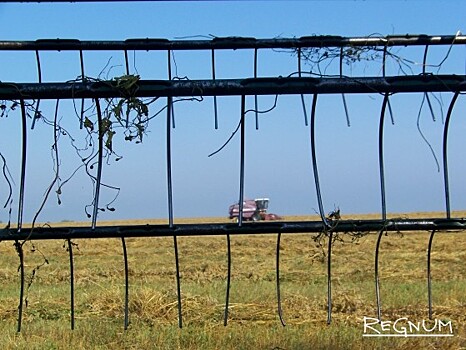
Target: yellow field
x: 253, y: 320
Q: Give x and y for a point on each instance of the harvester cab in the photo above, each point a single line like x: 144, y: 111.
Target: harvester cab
x: 253, y: 210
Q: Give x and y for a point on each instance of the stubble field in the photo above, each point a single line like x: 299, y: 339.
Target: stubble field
x: 253, y: 320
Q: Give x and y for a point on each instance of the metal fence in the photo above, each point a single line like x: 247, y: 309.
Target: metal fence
x: 130, y: 89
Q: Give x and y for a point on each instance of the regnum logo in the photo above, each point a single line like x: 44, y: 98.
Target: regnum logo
x: 403, y: 327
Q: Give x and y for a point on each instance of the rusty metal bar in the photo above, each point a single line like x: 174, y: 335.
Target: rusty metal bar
x: 231, y: 87
x: 226, y: 43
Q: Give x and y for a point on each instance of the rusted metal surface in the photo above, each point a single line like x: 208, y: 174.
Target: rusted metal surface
x: 233, y: 43
x: 233, y: 87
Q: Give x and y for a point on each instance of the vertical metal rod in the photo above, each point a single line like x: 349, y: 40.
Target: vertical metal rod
x: 23, y: 165
x: 424, y: 60
x: 18, y: 245
x: 242, y: 160
x: 70, y: 251
x: 277, y: 265
x: 19, y: 250
x: 169, y: 164
x: 303, y: 103
x: 381, y: 158
x: 227, y: 297
x: 429, y: 276
x: 314, y: 163
x: 392, y: 119
x: 170, y: 209
x: 123, y: 242
x: 215, y: 97
x: 390, y: 111
x: 445, y: 155
x: 99, y: 165
x: 241, y: 204
x: 127, y: 73
x: 256, y: 103
x: 431, y: 109
x: 343, y: 95
x: 126, y: 62
x: 81, y: 117
x: 126, y: 306
x: 329, y: 277
x: 377, y: 283
x: 321, y: 209
x: 39, y: 72
x: 170, y: 78
x: 424, y: 64
x: 383, y: 200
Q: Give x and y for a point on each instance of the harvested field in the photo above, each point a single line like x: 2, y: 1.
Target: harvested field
x: 253, y: 320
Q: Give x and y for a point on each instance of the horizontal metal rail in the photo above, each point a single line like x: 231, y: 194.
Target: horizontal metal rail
x: 230, y: 87
x: 233, y: 43
x: 287, y: 227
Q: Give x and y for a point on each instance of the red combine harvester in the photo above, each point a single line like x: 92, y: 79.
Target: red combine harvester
x: 253, y: 210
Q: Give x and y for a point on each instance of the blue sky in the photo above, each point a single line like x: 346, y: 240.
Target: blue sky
x: 278, y: 157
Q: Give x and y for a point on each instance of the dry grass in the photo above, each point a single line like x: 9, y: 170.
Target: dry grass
x: 253, y: 321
